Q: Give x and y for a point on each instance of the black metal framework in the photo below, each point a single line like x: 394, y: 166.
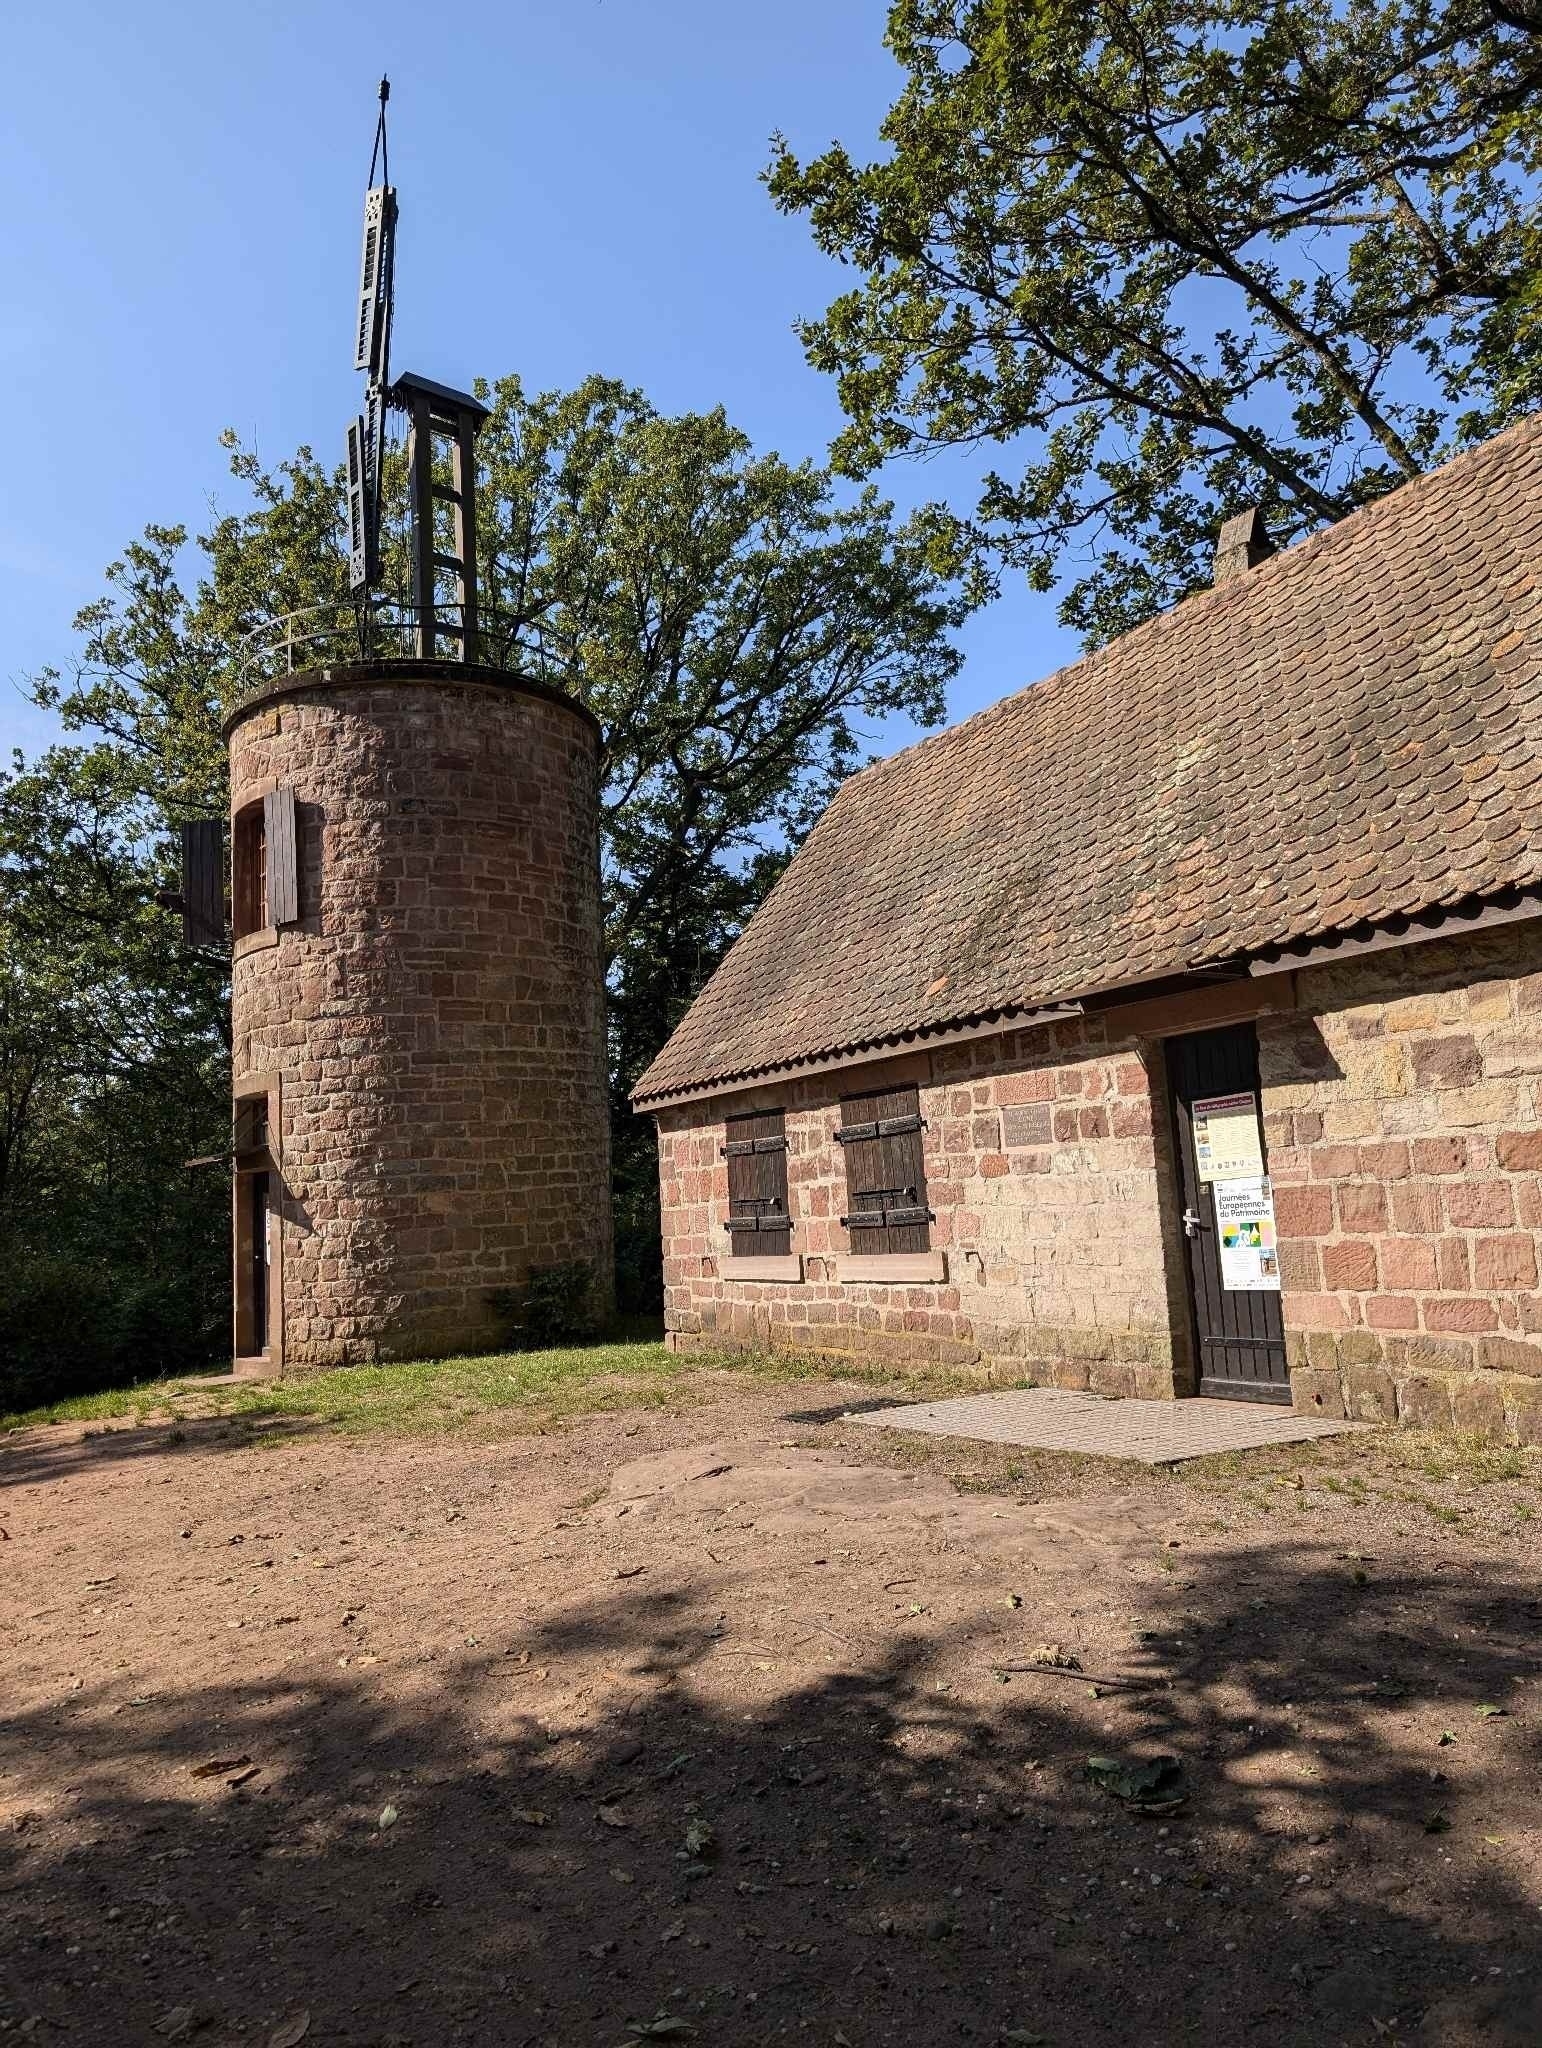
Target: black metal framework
x: 444, y: 579
x: 372, y: 354
x: 444, y: 585
x: 380, y: 630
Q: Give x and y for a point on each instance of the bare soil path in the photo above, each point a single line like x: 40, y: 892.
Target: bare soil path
x: 702, y: 1720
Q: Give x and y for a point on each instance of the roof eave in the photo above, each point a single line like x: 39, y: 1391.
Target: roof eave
x: 1434, y: 921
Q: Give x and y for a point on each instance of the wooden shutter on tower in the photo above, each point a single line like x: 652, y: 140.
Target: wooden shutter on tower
x: 880, y: 1136
x: 283, y: 857
x: 759, y: 1225
x: 203, y: 882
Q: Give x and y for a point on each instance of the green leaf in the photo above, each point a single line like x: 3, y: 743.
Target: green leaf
x: 1178, y: 261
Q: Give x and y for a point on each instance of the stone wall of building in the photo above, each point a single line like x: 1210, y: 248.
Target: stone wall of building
x: 1402, y: 1103
x: 435, y: 1019
x: 1048, y: 1177
x: 1403, y: 1106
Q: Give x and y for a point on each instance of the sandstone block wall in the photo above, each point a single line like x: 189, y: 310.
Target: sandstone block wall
x: 1404, y: 1119
x: 1046, y: 1170
x: 1402, y: 1105
x: 436, y: 1016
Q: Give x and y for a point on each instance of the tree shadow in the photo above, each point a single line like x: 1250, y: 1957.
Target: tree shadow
x: 637, y: 1806
x: 60, y: 1451
x: 842, y: 1409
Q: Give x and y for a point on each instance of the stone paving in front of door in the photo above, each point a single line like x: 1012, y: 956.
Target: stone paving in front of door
x: 1154, y: 1432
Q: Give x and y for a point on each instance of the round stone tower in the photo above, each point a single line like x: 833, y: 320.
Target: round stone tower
x: 417, y: 1009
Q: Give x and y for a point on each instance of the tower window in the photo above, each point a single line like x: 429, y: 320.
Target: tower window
x: 250, y: 880
x: 265, y: 881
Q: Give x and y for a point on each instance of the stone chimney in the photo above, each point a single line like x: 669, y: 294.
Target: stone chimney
x: 1241, y: 545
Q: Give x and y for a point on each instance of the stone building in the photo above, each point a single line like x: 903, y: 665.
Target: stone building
x: 417, y: 1008
x: 1175, y: 1024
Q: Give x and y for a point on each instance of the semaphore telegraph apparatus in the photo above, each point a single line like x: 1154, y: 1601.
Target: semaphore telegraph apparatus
x: 443, y: 620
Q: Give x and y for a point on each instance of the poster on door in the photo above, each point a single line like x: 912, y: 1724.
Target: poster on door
x: 1227, y: 1141
x: 1244, y: 1233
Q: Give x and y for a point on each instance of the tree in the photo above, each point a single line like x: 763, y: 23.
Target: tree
x: 114, y: 1071
x: 1272, y: 252
x: 730, y: 622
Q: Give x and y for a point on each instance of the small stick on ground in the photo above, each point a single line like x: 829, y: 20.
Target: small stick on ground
x: 1086, y: 1677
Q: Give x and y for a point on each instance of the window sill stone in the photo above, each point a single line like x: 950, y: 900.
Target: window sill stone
x: 782, y: 1266
x: 255, y: 942
x: 899, y: 1269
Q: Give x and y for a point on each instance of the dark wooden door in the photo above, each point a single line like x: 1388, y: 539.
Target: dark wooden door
x: 258, y: 1279
x: 1240, y: 1335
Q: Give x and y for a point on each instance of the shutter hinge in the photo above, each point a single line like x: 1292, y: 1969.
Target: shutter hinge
x: 881, y: 1127
x: 906, y: 1218
x: 741, y: 1148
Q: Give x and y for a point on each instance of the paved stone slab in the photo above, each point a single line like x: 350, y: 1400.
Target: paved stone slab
x: 1155, y: 1432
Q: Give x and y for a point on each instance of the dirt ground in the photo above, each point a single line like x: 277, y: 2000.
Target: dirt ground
x: 696, y: 1725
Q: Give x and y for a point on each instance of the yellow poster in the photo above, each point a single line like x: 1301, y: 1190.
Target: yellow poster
x: 1227, y: 1141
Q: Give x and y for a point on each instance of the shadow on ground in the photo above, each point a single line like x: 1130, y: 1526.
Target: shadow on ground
x: 35, y: 1457
x: 854, y: 1857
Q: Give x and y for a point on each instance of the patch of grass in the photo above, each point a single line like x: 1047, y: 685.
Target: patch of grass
x: 1457, y: 1454
x: 522, y: 1390
x: 432, y: 1397
x: 143, y: 1399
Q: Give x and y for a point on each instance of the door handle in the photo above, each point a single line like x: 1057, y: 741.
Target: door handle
x: 1193, y: 1223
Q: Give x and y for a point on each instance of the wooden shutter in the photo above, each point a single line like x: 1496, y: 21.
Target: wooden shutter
x: 880, y: 1136
x: 203, y: 882
x: 283, y: 859
x: 759, y: 1225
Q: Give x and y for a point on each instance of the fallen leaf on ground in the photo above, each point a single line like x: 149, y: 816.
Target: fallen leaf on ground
x: 219, y: 1766
x: 629, y: 1571
x: 388, y: 1817
x: 700, y: 1838
x: 1055, y: 1658
x: 1446, y: 1739
x: 532, y: 1816
x: 1488, y: 1712
x: 1149, y: 1785
x: 612, y: 1817
x: 289, y: 2031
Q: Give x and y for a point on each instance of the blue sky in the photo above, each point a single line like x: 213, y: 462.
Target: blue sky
x: 579, y: 185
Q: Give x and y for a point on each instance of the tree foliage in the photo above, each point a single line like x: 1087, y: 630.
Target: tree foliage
x: 114, y: 1072
x: 1272, y: 252
x: 729, y: 620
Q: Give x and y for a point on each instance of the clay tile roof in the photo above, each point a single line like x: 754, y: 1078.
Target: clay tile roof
x: 1351, y: 731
